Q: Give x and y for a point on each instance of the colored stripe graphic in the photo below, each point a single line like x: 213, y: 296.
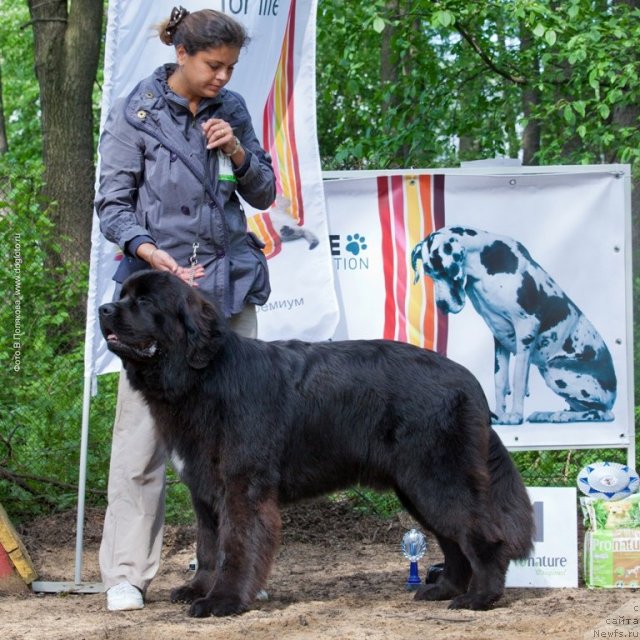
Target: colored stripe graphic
x: 409, y: 211
x: 261, y: 226
x: 279, y: 138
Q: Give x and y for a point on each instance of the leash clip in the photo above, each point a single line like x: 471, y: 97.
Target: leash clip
x: 193, y: 261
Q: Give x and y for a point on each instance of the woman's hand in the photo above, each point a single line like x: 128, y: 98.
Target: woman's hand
x: 219, y: 135
x: 160, y: 260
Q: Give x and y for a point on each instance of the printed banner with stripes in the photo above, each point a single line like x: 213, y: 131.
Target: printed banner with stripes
x: 375, y: 225
x: 410, y: 208
x: 279, y: 138
x: 407, y: 246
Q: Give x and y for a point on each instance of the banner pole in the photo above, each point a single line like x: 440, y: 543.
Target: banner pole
x: 82, y: 479
x: 77, y: 586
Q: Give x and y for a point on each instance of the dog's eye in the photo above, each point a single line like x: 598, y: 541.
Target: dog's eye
x: 143, y: 301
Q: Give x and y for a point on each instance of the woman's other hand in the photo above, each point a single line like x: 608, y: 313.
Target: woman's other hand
x: 160, y: 260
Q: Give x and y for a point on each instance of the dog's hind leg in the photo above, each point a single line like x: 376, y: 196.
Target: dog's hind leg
x: 500, y: 531
x: 489, y: 563
x: 457, y: 571
x: 474, y: 554
x: 455, y: 577
x: 498, y: 528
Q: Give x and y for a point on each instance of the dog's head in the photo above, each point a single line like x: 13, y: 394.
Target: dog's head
x: 160, y: 318
x: 443, y: 258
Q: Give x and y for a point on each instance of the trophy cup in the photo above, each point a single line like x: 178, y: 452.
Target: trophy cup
x: 414, y: 546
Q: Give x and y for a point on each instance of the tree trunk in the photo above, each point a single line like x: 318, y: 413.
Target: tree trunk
x: 67, y: 47
x: 388, y: 63
x: 530, y: 101
x: 391, y: 70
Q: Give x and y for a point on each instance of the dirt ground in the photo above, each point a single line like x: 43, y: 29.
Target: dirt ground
x: 338, y: 575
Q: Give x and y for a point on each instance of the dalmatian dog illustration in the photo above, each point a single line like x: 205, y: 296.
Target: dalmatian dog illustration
x: 530, y: 317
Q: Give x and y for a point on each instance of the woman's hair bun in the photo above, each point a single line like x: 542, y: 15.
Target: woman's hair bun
x: 178, y: 14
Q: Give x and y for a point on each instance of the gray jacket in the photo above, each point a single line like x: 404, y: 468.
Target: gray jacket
x: 159, y: 184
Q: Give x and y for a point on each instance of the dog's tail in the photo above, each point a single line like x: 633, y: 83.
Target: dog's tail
x: 416, y: 255
x: 509, y: 498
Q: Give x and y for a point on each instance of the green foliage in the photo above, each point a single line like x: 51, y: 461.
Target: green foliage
x: 589, y: 76
x: 405, y: 95
x: 458, y: 73
x: 41, y: 359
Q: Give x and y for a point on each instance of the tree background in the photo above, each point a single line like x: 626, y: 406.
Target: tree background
x: 399, y: 84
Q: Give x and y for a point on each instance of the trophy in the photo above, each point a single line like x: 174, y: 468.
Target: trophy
x: 414, y: 546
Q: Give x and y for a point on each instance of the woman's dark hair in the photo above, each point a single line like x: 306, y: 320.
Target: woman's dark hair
x: 201, y: 30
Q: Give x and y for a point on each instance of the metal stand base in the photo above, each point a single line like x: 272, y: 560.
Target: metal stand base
x: 67, y: 587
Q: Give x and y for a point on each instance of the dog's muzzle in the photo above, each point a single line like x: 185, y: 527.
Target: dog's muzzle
x: 141, y: 350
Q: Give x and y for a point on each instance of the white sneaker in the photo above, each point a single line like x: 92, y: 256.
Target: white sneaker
x: 124, y: 597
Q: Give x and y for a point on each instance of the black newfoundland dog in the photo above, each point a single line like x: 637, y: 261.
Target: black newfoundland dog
x: 257, y: 424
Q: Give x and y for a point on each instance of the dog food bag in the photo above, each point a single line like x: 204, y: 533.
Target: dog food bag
x: 602, y: 514
x: 612, y: 558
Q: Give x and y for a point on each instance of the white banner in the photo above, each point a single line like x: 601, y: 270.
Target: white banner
x: 554, y: 559
x: 276, y: 76
x: 544, y: 266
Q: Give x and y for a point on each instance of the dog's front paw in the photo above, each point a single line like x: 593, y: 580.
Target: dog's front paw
x: 186, y: 593
x: 442, y: 590
x: 204, y: 607
x: 475, y: 601
x: 198, y: 587
x: 508, y: 418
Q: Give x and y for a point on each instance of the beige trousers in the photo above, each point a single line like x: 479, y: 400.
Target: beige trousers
x: 134, y: 521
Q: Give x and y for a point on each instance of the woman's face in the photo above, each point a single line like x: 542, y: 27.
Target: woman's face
x: 205, y: 73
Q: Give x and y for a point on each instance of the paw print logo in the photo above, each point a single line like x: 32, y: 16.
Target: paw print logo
x: 355, y: 244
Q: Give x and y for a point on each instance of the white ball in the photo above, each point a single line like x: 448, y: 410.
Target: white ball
x: 608, y: 480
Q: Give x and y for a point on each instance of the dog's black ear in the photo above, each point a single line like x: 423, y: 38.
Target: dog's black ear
x: 203, y: 326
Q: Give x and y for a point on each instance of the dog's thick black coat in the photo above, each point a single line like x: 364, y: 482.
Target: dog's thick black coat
x: 255, y: 424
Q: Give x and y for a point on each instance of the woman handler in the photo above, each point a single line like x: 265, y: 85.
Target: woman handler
x: 174, y: 155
